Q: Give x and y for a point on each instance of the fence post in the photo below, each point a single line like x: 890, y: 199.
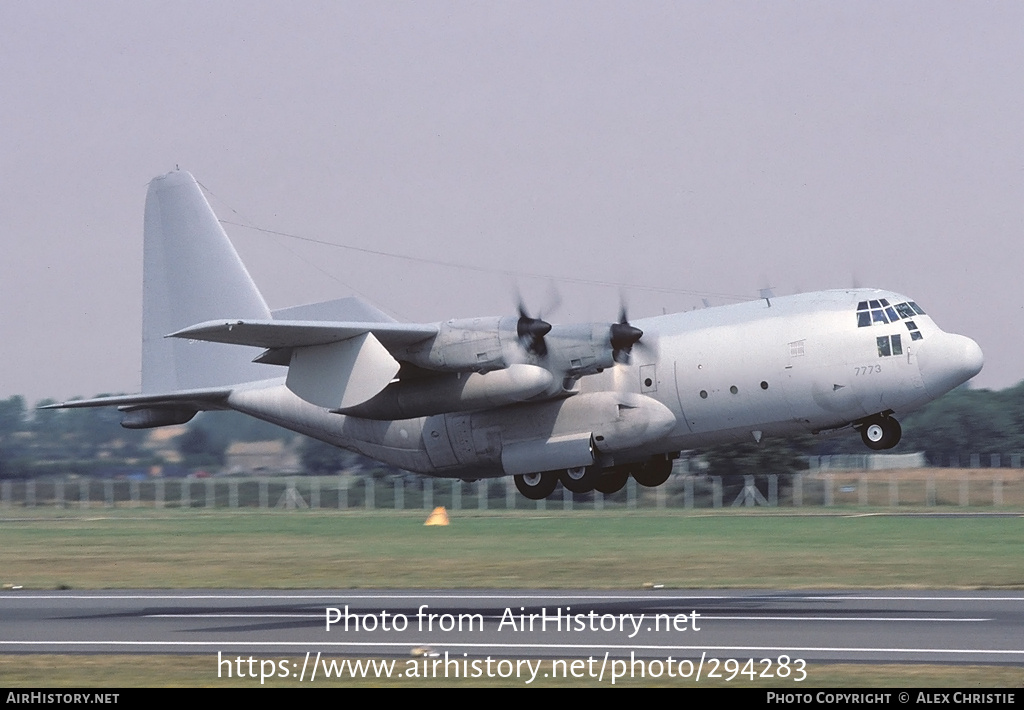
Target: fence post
x: 716, y: 491
x: 158, y: 494
x: 428, y: 494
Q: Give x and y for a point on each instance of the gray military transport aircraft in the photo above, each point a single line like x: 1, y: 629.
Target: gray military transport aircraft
x: 584, y: 404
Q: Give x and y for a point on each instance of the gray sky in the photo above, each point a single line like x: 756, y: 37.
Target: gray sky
x: 700, y: 148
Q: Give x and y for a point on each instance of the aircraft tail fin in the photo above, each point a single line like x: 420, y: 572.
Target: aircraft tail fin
x: 191, y: 274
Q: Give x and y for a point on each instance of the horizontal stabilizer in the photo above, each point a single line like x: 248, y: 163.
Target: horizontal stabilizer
x: 341, y: 374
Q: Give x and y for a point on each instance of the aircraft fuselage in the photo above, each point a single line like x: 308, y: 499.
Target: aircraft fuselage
x: 773, y: 367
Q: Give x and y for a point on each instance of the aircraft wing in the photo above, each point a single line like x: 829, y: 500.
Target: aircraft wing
x: 273, y: 334
x: 144, y: 411
x: 333, y: 364
x: 202, y: 398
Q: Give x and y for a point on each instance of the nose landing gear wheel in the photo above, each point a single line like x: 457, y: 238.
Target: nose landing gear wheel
x: 581, y: 479
x: 881, y: 434
x: 536, y: 486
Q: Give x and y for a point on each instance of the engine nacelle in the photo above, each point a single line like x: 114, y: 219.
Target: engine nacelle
x: 579, y: 349
x: 469, y: 345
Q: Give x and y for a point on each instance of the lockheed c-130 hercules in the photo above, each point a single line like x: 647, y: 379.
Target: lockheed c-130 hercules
x: 585, y: 404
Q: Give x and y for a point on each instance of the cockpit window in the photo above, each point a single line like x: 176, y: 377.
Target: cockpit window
x: 879, y: 312
x: 905, y: 310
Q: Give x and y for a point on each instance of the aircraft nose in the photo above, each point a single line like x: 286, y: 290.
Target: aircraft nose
x: 947, y: 360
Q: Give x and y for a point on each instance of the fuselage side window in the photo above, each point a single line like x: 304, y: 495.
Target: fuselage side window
x: 883, y: 346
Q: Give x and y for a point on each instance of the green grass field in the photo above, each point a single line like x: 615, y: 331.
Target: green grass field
x: 303, y: 549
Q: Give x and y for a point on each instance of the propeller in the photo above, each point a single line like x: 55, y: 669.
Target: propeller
x: 623, y: 337
x: 531, y: 331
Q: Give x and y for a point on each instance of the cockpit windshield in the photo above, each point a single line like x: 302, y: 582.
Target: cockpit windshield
x: 880, y: 312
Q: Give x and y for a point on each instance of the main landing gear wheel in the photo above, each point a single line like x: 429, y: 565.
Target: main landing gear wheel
x: 880, y: 434
x: 613, y: 481
x: 536, y: 486
x: 580, y: 479
x: 653, y: 473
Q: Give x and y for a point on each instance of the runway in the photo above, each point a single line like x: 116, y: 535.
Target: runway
x: 837, y: 626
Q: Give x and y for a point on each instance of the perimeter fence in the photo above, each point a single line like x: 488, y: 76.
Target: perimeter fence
x: 924, y: 488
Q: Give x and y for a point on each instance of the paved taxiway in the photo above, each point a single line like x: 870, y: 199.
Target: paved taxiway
x: 876, y: 626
